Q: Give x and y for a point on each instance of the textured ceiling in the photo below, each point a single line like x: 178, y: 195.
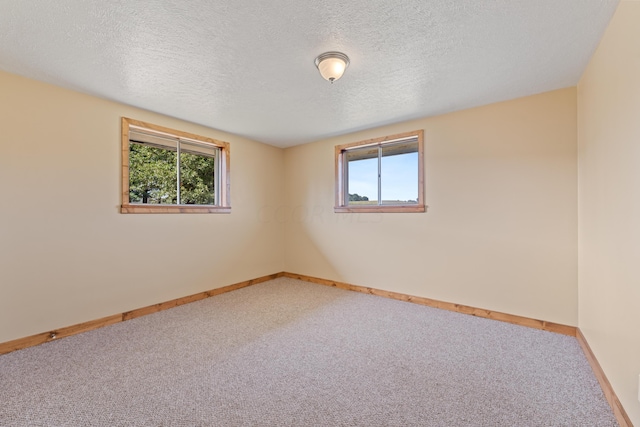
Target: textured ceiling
x: 247, y: 67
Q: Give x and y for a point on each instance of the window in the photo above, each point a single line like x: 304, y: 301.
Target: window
x: 381, y: 175
x: 169, y: 171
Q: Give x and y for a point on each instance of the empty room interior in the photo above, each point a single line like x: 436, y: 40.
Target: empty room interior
x: 522, y: 209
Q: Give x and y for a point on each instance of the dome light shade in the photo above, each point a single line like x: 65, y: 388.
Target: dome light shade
x: 332, y: 65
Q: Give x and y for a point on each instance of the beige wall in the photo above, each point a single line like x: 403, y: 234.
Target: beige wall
x: 501, y: 231
x: 68, y: 256
x: 609, y: 204
x: 501, y: 228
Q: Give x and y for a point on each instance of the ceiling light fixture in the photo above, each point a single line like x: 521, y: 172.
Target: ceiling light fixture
x: 332, y: 65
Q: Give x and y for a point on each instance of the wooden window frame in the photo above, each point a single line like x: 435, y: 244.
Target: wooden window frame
x: 341, y: 203
x: 224, y: 183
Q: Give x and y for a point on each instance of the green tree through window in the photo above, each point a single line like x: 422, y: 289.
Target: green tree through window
x: 170, y: 171
x: 197, y: 179
x: 153, y: 176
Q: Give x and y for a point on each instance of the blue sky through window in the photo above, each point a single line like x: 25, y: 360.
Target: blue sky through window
x: 399, y: 177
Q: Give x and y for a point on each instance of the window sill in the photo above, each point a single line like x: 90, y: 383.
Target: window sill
x: 171, y: 209
x: 380, y: 209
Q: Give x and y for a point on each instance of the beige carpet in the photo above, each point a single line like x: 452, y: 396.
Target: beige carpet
x: 289, y: 353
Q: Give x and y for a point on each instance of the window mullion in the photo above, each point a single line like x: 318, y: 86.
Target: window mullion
x: 345, y: 181
x: 178, y: 173
x: 379, y: 175
x: 216, y: 179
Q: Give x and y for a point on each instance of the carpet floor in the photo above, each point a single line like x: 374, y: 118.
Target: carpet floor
x: 290, y: 353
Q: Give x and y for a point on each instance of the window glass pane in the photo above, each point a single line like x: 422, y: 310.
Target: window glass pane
x: 152, y: 174
x: 399, y: 171
x: 197, y: 174
x: 362, y: 172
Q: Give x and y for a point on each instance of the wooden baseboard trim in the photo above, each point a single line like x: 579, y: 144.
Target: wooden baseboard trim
x: 479, y: 312
x: 41, y: 338
x: 33, y: 340
x: 195, y: 297
x: 619, y: 412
